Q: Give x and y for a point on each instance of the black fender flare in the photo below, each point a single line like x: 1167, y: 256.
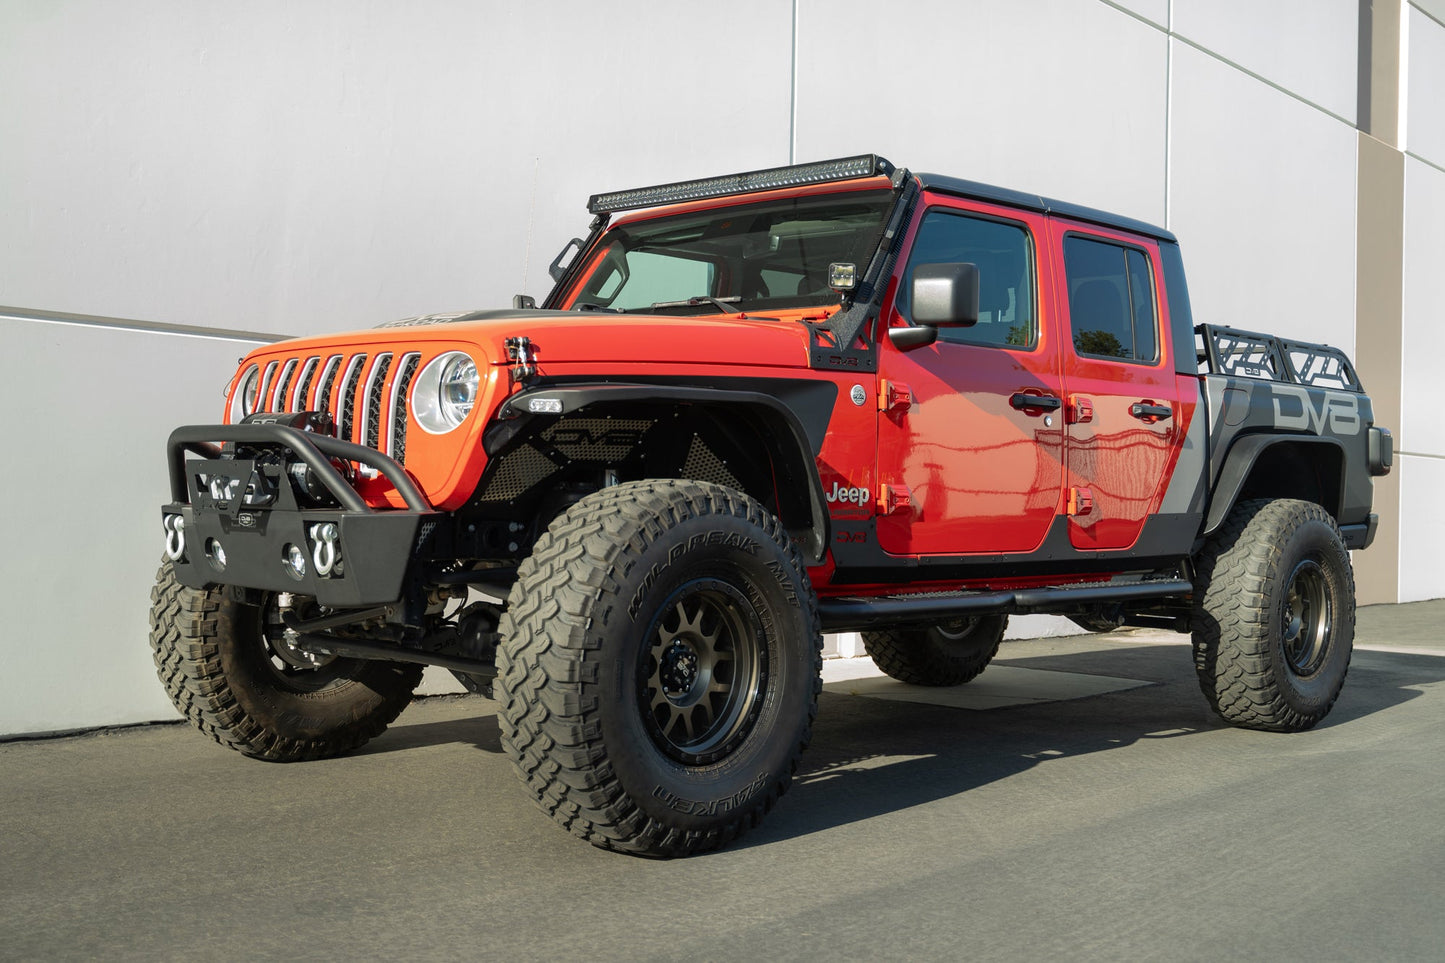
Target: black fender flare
x: 1240, y: 460
x: 787, y: 441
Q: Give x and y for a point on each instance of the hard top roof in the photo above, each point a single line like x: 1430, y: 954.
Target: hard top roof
x: 1034, y: 202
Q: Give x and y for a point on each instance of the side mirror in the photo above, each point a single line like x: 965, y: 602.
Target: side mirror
x: 942, y: 294
x: 945, y: 294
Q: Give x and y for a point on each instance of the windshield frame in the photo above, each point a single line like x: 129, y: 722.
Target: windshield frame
x: 738, y: 236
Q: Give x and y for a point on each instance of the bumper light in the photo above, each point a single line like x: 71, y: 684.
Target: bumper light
x: 293, y: 560
x: 216, y: 555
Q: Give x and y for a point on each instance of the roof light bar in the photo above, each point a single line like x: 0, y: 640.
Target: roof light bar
x: 842, y: 168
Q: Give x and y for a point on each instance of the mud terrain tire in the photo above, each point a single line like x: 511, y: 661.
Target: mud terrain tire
x: 1274, y: 615
x: 944, y: 655
x: 660, y: 667
x: 214, y: 658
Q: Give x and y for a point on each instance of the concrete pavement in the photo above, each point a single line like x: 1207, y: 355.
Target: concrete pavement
x: 1090, y: 807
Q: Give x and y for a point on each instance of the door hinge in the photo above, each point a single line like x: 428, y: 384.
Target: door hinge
x: 894, y: 398
x: 893, y: 499
x: 1080, y: 410
x: 1081, y: 501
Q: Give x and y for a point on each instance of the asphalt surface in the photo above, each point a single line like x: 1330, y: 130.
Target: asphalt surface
x: 1087, y: 806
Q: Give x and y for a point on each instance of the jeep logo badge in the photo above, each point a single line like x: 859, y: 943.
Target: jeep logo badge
x: 859, y: 395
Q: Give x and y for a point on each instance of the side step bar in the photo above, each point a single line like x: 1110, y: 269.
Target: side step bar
x: 855, y: 614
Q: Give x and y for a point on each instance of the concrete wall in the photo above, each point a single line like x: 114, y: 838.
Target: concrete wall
x: 271, y: 167
x: 1422, y: 438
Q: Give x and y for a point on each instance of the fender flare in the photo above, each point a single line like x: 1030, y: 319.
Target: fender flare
x: 789, y: 444
x: 1239, y: 462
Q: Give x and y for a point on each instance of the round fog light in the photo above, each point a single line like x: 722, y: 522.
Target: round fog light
x: 216, y: 555
x: 293, y: 560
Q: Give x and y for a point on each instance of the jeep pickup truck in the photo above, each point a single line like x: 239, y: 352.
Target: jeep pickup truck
x: 754, y: 409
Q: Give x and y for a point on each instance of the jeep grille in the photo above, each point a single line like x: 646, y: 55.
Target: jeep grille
x: 367, y: 395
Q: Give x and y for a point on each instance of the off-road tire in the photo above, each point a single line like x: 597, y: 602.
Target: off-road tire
x: 944, y: 655
x: 1274, y: 615
x: 660, y: 667
x: 212, y: 658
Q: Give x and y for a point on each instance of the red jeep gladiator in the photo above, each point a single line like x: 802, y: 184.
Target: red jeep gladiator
x: 761, y: 407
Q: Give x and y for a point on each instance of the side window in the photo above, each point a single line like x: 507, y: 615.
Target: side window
x: 1006, y: 316
x: 1111, y: 300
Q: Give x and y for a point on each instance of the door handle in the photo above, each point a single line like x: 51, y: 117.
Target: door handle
x: 1148, y: 411
x: 1022, y: 402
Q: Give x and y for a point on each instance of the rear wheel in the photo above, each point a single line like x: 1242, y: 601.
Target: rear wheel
x: 660, y: 667
x: 1274, y: 619
x: 231, y: 669
x: 947, y: 654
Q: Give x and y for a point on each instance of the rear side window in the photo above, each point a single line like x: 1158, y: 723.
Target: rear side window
x: 1006, y: 316
x: 1111, y: 300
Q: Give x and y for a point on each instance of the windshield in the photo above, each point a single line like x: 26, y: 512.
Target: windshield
x: 758, y: 257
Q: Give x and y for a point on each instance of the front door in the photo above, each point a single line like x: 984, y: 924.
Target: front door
x: 970, y: 437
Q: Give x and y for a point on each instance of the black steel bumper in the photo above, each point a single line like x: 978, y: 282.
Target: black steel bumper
x: 352, y: 554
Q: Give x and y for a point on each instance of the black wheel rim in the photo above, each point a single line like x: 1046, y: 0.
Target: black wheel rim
x: 957, y: 630
x: 294, y: 668
x: 1308, y: 618
x: 703, y: 672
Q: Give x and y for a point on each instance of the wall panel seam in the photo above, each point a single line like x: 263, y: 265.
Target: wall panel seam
x: 1171, y: 32
x: 1425, y: 13
x: 1426, y: 161
x: 37, y: 316
x: 1262, y: 79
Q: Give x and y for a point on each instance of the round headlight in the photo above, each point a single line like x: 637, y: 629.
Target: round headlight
x: 445, y: 392
x: 243, y: 402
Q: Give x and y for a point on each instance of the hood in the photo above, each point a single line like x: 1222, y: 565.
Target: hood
x: 599, y: 337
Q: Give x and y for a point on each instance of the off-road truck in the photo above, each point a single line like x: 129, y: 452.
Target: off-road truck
x: 754, y: 409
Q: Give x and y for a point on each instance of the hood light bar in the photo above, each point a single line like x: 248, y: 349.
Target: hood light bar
x: 843, y: 168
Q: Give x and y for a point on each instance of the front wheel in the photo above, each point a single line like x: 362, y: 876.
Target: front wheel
x: 231, y: 669
x: 1274, y: 615
x: 660, y: 667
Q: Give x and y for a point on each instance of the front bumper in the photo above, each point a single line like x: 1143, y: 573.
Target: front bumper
x: 238, y: 521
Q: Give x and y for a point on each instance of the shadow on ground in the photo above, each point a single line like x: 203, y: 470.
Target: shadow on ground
x: 873, y: 756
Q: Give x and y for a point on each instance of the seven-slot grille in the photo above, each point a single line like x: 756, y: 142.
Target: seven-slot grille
x: 366, y: 394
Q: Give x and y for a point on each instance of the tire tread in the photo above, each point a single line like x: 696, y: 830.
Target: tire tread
x: 548, y: 669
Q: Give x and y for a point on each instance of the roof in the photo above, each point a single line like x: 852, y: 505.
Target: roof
x: 1033, y: 202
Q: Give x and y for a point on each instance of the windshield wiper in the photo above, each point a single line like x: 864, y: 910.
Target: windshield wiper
x: 589, y: 306
x: 726, y: 304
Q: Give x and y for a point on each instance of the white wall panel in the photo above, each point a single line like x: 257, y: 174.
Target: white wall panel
x: 1421, y: 482
x: 1425, y: 96
x: 1309, y: 47
x: 1423, y: 322
x: 1263, y: 201
x: 290, y: 167
x: 88, y: 412
x: 1065, y: 98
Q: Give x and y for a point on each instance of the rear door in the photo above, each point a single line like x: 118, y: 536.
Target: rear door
x: 970, y: 436
x: 1122, y: 404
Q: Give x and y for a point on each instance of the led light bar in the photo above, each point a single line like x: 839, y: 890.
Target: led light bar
x: 843, y: 168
